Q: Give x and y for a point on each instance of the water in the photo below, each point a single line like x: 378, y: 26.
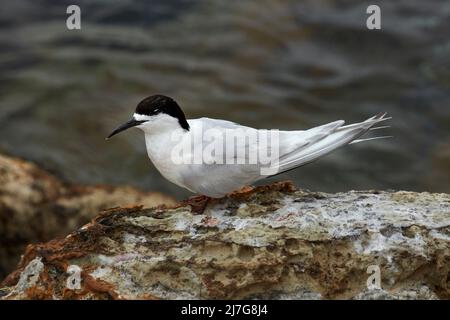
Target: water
x: 269, y: 64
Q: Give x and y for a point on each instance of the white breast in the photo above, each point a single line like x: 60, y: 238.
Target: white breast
x: 159, y: 143
x: 159, y: 149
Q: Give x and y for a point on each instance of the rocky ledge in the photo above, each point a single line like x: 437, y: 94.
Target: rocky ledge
x: 271, y: 242
x: 36, y: 206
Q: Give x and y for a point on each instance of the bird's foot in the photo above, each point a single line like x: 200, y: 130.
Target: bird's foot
x: 198, y: 203
x: 243, y: 190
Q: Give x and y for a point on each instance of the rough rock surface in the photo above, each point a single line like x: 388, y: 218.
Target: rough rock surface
x: 35, y: 206
x: 268, y: 242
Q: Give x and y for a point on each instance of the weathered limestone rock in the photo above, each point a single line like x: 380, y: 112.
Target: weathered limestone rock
x: 268, y: 242
x: 35, y: 206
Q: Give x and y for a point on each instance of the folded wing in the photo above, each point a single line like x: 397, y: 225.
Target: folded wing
x: 298, y: 148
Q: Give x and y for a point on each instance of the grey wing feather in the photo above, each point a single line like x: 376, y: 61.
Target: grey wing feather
x: 296, y: 148
x: 329, y: 138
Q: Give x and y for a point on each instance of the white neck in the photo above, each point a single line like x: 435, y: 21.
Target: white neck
x: 159, y: 142
x: 159, y: 124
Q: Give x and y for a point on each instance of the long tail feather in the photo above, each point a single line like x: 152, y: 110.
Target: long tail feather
x: 369, y: 139
x: 336, y: 137
x: 379, y: 128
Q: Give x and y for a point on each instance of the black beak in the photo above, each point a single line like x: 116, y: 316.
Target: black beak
x: 131, y: 123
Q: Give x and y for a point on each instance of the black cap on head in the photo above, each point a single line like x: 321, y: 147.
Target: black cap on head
x: 152, y: 106
x: 158, y: 103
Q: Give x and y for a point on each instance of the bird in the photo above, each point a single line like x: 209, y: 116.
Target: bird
x: 170, y: 137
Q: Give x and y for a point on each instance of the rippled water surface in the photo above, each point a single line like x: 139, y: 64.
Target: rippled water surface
x: 268, y: 64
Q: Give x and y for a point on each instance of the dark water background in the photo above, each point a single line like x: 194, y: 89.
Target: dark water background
x: 269, y: 64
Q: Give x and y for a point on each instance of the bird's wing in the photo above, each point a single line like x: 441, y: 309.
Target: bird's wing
x: 209, y: 123
x: 290, y: 142
x: 295, y: 148
x: 230, y: 170
x: 320, y: 141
